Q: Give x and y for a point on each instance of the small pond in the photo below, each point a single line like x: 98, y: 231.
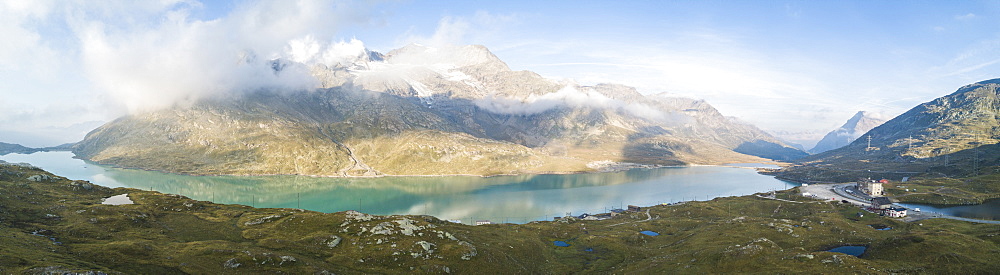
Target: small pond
x: 853, y: 250
x: 881, y: 227
x: 560, y: 244
x: 649, y: 233
x: 117, y: 200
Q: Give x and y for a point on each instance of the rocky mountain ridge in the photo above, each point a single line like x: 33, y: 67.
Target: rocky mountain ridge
x: 957, y: 135
x: 428, y: 111
x: 856, y: 126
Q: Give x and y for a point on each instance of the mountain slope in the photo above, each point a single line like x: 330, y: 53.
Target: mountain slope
x: 427, y: 111
x: 955, y: 135
x: 320, y: 133
x: 858, y: 125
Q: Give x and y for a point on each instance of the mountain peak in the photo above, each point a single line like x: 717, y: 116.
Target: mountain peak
x: 859, y: 124
x: 853, y: 122
x: 864, y: 121
x: 457, y: 56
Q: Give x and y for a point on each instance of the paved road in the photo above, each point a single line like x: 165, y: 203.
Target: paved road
x: 838, y: 192
x: 833, y: 192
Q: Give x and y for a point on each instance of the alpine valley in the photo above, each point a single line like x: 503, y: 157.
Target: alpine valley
x: 947, y: 146
x: 428, y: 111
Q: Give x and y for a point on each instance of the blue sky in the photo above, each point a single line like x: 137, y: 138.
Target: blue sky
x: 795, y: 68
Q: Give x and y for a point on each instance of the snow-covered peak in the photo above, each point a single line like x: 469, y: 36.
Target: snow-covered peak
x: 863, y: 121
x: 348, y: 54
x: 858, y: 125
x: 451, y: 56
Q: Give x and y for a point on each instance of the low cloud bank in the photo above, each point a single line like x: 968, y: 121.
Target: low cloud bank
x: 568, y: 97
x: 164, y: 55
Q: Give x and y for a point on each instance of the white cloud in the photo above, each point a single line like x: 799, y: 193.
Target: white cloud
x: 180, y: 59
x: 534, y: 104
x: 84, y: 61
x: 480, y: 28
x: 972, y: 62
x: 450, y: 31
x: 22, y: 48
x: 153, y: 54
x: 40, y: 83
x: 149, y: 54
x: 342, y: 51
x: 303, y: 50
x: 569, y: 96
x: 973, y: 67
x: 965, y: 17
x: 738, y: 82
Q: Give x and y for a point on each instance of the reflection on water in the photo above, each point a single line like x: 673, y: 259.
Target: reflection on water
x: 521, y: 198
x: 853, y: 250
x: 989, y: 210
x: 753, y: 165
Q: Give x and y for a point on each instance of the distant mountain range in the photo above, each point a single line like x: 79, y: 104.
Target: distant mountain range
x: 10, y: 148
x: 429, y: 111
x: 859, y: 124
x: 955, y: 135
x: 7, y: 148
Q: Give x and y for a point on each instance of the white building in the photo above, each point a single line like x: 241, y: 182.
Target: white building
x: 895, y: 212
x: 871, y: 187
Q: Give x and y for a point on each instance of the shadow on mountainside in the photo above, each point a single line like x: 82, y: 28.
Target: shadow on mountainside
x: 648, y: 146
x: 846, y: 168
x: 767, y: 149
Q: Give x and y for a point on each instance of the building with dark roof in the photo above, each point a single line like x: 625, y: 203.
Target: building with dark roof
x: 881, y: 203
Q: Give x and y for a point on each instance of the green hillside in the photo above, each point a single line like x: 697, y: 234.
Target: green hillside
x: 54, y: 225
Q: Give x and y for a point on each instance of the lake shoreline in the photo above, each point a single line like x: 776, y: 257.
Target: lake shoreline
x: 518, y: 198
x: 615, y: 167
x: 63, y: 221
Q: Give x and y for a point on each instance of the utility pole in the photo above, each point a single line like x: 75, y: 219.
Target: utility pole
x: 869, y: 148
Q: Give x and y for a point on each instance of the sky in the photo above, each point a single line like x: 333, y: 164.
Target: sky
x: 797, y: 69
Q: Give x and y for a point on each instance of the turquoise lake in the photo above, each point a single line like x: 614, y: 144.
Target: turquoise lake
x: 514, y: 199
